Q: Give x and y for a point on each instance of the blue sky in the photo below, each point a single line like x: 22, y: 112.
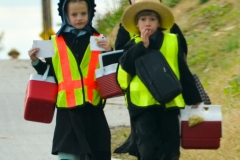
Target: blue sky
x: 21, y: 22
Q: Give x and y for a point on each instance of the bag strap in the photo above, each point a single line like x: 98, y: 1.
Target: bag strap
x: 205, y: 97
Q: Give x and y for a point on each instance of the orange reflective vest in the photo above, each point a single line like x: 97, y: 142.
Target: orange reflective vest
x: 76, y: 84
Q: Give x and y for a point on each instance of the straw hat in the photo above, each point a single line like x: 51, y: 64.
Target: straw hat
x: 13, y: 52
x: 128, y: 17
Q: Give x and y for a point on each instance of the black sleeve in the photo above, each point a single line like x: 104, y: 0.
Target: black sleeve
x: 190, y: 92
x: 176, y: 30
x: 122, y: 38
x: 42, y: 66
x: 132, y: 51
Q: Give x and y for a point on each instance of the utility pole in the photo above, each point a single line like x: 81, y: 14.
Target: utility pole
x: 46, y: 20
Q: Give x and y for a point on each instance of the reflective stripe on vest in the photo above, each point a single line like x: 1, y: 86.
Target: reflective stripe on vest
x: 70, y: 84
x: 138, y: 93
x: 131, y: 35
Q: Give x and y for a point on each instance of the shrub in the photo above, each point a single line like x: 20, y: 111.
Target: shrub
x: 105, y: 23
x: 203, y: 1
x: 171, y: 3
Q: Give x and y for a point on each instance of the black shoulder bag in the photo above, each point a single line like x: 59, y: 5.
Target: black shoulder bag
x: 156, y: 74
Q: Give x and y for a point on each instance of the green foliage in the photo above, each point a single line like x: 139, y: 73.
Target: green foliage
x: 214, y: 10
x: 105, y: 23
x: 211, y: 15
x: 231, y: 44
x: 203, y: 1
x: 171, y: 3
x: 125, y: 135
x: 233, y: 88
x: 212, y: 36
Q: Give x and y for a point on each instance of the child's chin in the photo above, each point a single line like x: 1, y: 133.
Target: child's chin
x: 79, y: 27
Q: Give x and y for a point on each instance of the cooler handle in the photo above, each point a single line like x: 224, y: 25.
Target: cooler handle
x: 44, y: 77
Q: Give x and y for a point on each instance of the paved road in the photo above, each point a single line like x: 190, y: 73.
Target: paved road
x: 25, y: 140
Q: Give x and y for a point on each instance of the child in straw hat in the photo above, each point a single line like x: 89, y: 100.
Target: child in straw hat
x: 156, y: 131
x: 123, y: 36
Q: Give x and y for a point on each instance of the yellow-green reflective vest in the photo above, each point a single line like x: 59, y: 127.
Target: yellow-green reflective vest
x: 131, y: 35
x: 138, y: 93
x: 75, y: 89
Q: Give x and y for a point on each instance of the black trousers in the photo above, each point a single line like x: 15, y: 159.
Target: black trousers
x: 82, y: 131
x: 157, y: 134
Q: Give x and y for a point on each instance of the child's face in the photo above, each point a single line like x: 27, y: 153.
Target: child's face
x: 149, y: 23
x: 78, y: 14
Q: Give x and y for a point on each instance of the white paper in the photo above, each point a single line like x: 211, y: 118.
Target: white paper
x: 45, y: 46
x: 93, y: 43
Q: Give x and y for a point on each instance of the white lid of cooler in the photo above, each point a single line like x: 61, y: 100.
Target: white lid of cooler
x: 106, y: 70
x: 38, y: 77
x: 207, y: 112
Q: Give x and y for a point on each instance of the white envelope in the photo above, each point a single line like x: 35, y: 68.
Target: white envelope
x: 45, y: 46
x: 93, y: 43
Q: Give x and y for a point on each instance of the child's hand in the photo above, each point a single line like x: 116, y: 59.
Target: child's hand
x: 104, y: 43
x: 145, y: 34
x: 32, y: 54
x: 196, y: 105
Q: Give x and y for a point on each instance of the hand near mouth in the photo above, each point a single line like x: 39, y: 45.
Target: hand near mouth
x: 145, y: 34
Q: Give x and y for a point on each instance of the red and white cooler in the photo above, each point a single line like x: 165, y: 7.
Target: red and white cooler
x: 205, y: 135
x: 40, y: 98
x: 106, y: 77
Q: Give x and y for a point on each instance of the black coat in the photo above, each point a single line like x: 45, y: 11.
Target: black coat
x: 81, y: 130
